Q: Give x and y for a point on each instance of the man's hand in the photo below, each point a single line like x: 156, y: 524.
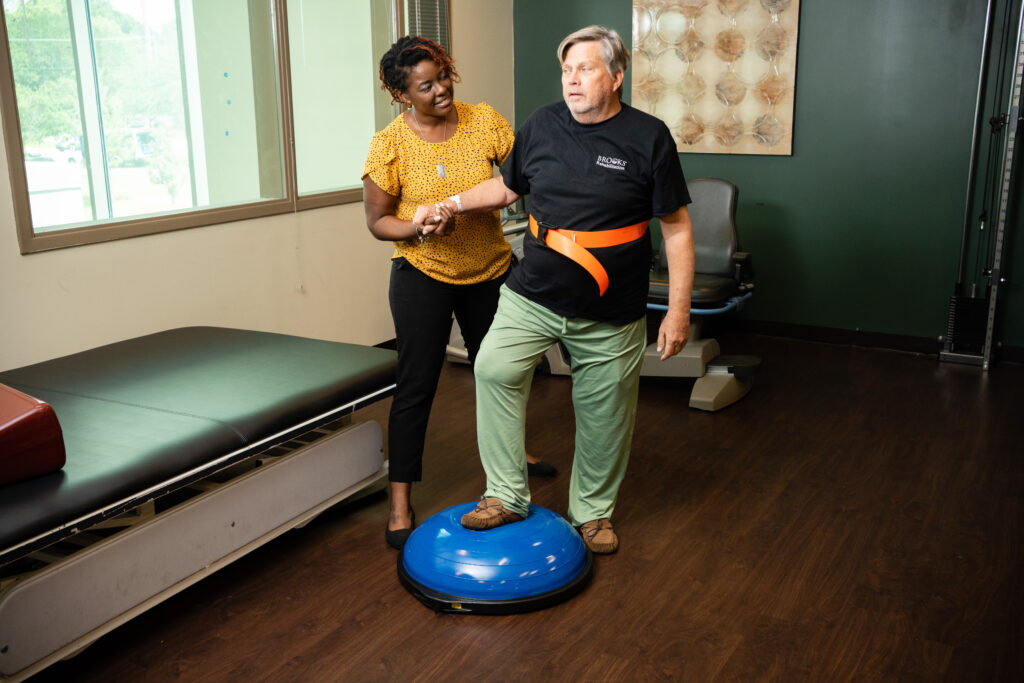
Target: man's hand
x: 434, y: 219
x: 678, y: 245
x: 673, y: 333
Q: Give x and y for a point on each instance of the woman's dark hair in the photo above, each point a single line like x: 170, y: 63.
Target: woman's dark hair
x: 406, y: 53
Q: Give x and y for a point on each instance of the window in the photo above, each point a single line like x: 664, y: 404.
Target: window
x: 429, y: 18
x: 334, y: 70
x: 139, y: 116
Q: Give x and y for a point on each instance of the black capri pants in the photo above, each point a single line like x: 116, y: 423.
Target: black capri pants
x: 422, y: 309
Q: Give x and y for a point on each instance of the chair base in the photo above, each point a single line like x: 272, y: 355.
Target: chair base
x: 715, y: 391
x: 692, y: 361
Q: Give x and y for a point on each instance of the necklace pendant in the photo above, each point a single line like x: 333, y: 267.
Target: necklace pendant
x: 440, y: 171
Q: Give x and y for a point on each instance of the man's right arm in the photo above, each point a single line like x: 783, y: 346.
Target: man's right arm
x: 677, y: 234
x: 488, y: 195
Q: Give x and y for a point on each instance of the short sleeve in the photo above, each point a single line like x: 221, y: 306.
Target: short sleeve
x: 382, y: 163
x: 513, y: 168
x: 669, y: 191
x: 499, y: 131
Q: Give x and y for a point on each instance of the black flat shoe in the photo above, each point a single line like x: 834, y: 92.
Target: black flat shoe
x: 541, y: 469
x: 396, y: 538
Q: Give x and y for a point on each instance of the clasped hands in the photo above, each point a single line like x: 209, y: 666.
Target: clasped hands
x: 433, y: 219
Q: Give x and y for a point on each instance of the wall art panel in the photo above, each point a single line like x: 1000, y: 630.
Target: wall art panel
x: 720, y: 73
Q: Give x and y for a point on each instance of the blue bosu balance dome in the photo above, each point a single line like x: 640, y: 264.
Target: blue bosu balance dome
x: 517, y: 567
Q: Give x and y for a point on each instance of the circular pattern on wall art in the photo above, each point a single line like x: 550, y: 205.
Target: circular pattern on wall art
x: 691, y: 129
x: 671, y: 108
x: 691, y: 8
x: 642, y: 100
x: 730, y: 90
x: 731, y: 8
x: 670, y: 26
x: 692, y: 88
x: 671, y: 65
x: 720, y: 73
x: 771, y: 42
x: 642, y: 22
x: 728, y: 131
x: 729, y: 45
x: 691, y: 45
x: 772, y: 87
x: 769, y: 129
x: 642, y: 68
x: 775, y: 6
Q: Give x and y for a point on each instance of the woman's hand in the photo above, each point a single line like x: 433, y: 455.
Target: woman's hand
x: 434, y: 219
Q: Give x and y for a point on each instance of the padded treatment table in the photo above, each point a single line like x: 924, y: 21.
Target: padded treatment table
x: 185, y: 450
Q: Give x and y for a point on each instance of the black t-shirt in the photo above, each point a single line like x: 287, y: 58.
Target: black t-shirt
x: 601, y: 176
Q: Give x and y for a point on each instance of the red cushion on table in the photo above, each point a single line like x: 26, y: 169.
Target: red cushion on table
x: 31, y: 442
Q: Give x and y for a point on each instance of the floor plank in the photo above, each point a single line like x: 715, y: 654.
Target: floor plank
x: 858, y: 516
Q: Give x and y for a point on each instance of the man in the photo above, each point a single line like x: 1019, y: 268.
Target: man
x: 596, y: 171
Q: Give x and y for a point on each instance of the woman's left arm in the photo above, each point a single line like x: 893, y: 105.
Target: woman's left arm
x: 381, y: 208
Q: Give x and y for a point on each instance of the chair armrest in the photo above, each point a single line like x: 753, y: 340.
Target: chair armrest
x: 743, y: 266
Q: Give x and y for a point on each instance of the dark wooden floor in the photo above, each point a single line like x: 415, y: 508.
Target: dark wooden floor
x: 859, y: 516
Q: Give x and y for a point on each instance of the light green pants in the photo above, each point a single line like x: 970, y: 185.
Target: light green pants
x: 606, y: 364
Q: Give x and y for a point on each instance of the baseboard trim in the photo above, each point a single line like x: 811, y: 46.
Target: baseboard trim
x: 1011, y: 354
x: 831, y: 335
x: 827, y: 335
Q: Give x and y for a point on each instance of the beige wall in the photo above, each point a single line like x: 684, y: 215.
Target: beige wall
x: 482, y: 48
x: 317, y: 273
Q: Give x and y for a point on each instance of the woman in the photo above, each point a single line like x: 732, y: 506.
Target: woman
x: 435, y: 149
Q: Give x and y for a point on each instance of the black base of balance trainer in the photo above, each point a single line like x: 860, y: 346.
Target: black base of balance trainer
x: 518, y: 567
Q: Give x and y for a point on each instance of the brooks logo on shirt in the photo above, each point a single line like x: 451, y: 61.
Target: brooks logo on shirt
x: 611, y: 162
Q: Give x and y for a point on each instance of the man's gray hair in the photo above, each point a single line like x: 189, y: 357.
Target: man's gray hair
x: 613, y: 50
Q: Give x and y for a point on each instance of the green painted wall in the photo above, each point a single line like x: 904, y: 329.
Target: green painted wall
x: 860, y: 228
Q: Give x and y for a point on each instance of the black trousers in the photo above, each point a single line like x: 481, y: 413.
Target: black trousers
x: 422, y: 309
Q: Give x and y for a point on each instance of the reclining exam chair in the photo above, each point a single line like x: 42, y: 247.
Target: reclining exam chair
x: 721, y: 283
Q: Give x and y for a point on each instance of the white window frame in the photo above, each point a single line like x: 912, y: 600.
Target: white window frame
x: 31, y: 241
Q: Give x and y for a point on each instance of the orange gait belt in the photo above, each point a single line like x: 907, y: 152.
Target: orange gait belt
x: 573, y: 245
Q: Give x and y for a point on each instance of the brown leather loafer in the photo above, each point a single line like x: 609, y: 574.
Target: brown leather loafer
x: 599, y: 536
x: 489, y: 513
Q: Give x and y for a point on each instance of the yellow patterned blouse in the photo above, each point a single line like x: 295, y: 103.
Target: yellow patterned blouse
x: 404, y: 165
